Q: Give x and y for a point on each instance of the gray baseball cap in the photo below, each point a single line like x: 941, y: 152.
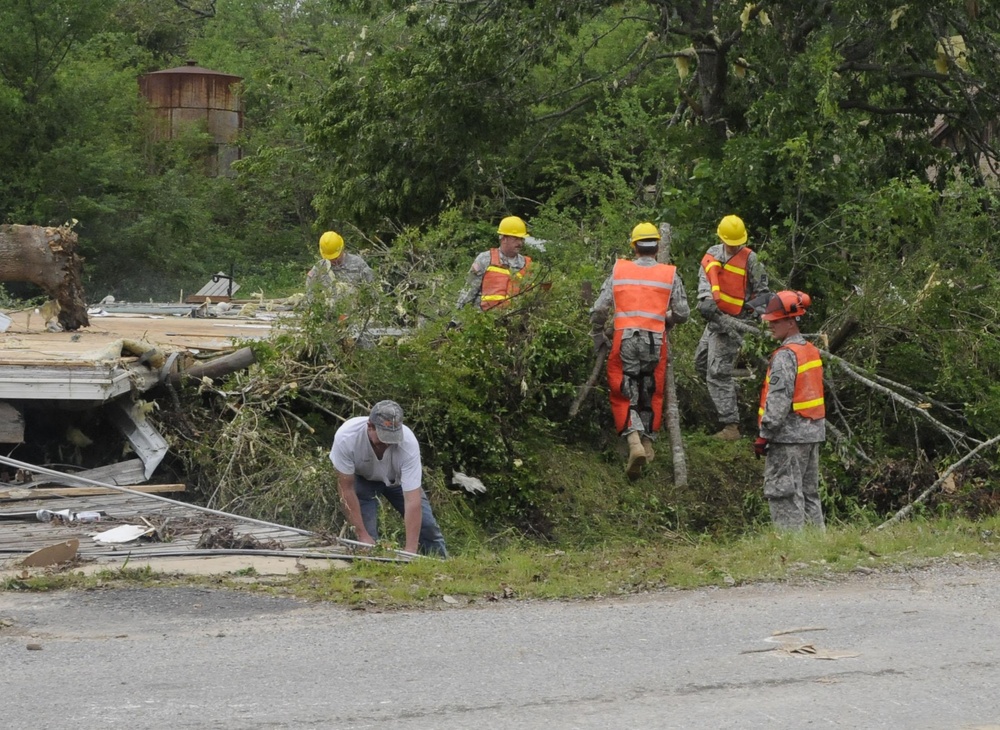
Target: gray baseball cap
x: 387, y: 418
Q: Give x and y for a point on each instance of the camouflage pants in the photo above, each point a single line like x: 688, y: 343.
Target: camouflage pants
x: 791, y: 485
x: 639, y: 361
x: 714, y: 359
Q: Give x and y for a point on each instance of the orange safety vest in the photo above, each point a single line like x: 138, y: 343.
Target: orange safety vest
x: 728, y: 280
x: 499, y: 282
x: 642, y: 295
x: 807, y: 398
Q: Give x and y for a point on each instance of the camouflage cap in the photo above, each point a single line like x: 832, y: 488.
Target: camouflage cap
x: 387, y: 418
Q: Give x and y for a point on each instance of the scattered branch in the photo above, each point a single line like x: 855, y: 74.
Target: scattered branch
x: 584, y: 390
x: 905, y: 511
x: 954, y: 435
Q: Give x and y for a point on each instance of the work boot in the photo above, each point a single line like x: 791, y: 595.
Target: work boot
x: 729, y: 432
x: 647, y: 445
x: 636, y: 456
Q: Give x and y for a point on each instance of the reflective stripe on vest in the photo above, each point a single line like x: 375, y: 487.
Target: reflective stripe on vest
x: 807, y: 398
x: 728, y: 280
x: 641, y: 295
x: 499, y: 283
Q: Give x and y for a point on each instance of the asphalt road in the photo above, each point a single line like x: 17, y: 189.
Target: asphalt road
x: 926, y: 645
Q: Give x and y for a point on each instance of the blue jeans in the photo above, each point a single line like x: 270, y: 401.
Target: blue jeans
x: 431, y: 539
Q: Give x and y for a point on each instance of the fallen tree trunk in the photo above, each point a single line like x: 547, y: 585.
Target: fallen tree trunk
x: 217, y: 367
x: 48, y: 258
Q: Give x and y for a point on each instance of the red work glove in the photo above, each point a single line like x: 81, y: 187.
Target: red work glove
x: 760, y: 446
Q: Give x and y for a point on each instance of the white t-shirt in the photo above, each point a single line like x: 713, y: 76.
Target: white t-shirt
x: 352, y: 453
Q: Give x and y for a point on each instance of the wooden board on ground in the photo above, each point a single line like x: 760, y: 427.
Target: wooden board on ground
x: 182, y: 525
x: 122, y: 474
x: 12, y: 495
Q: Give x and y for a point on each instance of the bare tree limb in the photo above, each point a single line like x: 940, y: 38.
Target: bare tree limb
x: 584, y: 390
x: 208, y: 11
x: 905, y: 511
x: 842, y: 440
x: 953, y: 434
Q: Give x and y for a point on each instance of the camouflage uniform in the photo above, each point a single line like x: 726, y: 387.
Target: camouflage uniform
x: 340, y: 279
x: 640, y: 349
x: 791, y: 473
x: 474, y: 281
x: 716, y: 354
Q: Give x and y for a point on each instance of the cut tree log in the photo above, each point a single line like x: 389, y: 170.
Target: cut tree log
x: 217, y: 367
x: 48, y: 258
x: 673, y: 412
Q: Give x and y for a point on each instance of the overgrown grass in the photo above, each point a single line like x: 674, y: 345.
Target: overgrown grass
x: 524, y: 572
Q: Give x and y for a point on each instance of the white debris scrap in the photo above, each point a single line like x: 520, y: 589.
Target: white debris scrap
x: 469, y: 484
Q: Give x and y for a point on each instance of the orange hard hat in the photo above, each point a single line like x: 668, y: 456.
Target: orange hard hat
x: 786, y: 304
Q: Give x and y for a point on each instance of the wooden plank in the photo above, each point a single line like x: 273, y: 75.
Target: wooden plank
x: 13, y: 495
x: 26, y: 344
x: 200, y: 298
x: 121, y: 474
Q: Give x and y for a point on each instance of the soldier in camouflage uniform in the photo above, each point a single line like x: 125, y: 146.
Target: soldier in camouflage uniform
x: 646, y: 299
x: 731, y: 281
x: 497, y: 275
x: 792, y: 418
x: 338, y: 272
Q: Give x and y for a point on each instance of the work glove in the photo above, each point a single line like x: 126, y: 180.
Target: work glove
x: 760, y: 446
x: 469, y: 484
x: 600, y: 340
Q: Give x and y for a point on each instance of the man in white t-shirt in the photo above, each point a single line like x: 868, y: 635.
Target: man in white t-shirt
x: 378, y: 455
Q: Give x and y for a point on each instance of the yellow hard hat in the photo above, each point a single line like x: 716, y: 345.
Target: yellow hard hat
x: 331, y: 245
x: 645, y: 232
x: 513, y: 226
x: 732, y: 231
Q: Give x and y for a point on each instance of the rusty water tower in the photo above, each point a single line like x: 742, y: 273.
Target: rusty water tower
x: 189, y: 94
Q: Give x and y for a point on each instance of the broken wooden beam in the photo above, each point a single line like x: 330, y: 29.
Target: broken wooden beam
x: 13, y: 495
x: 122, y: 474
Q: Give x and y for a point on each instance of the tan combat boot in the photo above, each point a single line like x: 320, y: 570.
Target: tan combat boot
x: 636, y: 456
x: 647, y: 445
x: 729, y: 432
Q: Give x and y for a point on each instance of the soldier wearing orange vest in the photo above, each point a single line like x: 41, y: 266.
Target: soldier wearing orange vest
x: 792, y: 417
x: 732, y: 281
x: 498, y: 274
x: 647, y: 299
